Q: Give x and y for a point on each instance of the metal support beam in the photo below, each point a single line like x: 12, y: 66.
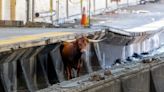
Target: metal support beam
x: 33, y: 10
x: 51, y: 10
x: 0, y: 9
x: 67, y: 8
x: 94, y: 6
x: 106, y: 4
x: 89, y: 13
x: 81, y: 6
x: 27, y: 10
x: 57, y: 9
x: 12, y: 9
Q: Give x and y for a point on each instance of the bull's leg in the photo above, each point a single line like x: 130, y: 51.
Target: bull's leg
x: 68, y: 73
x: 79, y: 65
x: 78, y: 72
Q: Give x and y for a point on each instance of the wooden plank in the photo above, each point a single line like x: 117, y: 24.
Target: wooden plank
x: 12, y: 9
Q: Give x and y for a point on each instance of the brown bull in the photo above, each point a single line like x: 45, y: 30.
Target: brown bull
x: 71, y: 54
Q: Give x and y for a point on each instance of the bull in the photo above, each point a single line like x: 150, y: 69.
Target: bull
x: 71, y: 52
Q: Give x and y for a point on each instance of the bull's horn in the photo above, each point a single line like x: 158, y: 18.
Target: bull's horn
x: 91, y: 40
x: 70, y: 40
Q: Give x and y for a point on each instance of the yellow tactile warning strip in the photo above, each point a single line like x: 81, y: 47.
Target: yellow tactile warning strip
x: 26, y: 38
x: 0, y: 9
x: 12, y: 9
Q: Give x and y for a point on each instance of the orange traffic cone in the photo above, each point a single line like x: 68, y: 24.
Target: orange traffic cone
x: 84, y: 19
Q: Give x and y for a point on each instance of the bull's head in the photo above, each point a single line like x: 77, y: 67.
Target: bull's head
x: 83, y: 42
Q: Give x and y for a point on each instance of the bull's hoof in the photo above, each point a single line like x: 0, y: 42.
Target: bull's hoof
x: 107, y: 72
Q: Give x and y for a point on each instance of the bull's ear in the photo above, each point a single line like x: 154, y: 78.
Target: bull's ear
x: 87, y: 40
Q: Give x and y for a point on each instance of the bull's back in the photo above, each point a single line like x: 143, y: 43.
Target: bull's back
x: 70, y: 54
x: 67, y: 50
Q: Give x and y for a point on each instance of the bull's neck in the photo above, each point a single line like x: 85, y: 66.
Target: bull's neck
x: 76, y: 45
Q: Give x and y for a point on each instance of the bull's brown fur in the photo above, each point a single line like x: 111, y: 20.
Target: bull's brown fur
x: 71, y: 55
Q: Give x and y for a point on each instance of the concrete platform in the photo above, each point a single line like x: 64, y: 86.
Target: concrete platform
x: 133, y: 19
x: 16, y: 38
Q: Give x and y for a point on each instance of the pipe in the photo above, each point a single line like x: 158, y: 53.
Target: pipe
x: 45, y: 14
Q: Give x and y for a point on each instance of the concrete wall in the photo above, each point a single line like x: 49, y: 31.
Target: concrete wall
x: 64, y: 9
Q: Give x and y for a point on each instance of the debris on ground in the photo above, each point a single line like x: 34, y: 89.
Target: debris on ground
x: 96, y: 77
x: 149, y: 60
x: 156, y: 59
x: 107, y: 72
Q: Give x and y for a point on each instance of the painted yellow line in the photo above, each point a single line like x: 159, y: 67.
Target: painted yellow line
x: 26, y: 38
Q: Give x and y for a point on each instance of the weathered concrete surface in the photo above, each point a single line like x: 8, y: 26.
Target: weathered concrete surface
x: 157, y: 76
x: 129, y: 78
x: 15, y: 38
x: 138, y: 82
x: 139, y: 18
